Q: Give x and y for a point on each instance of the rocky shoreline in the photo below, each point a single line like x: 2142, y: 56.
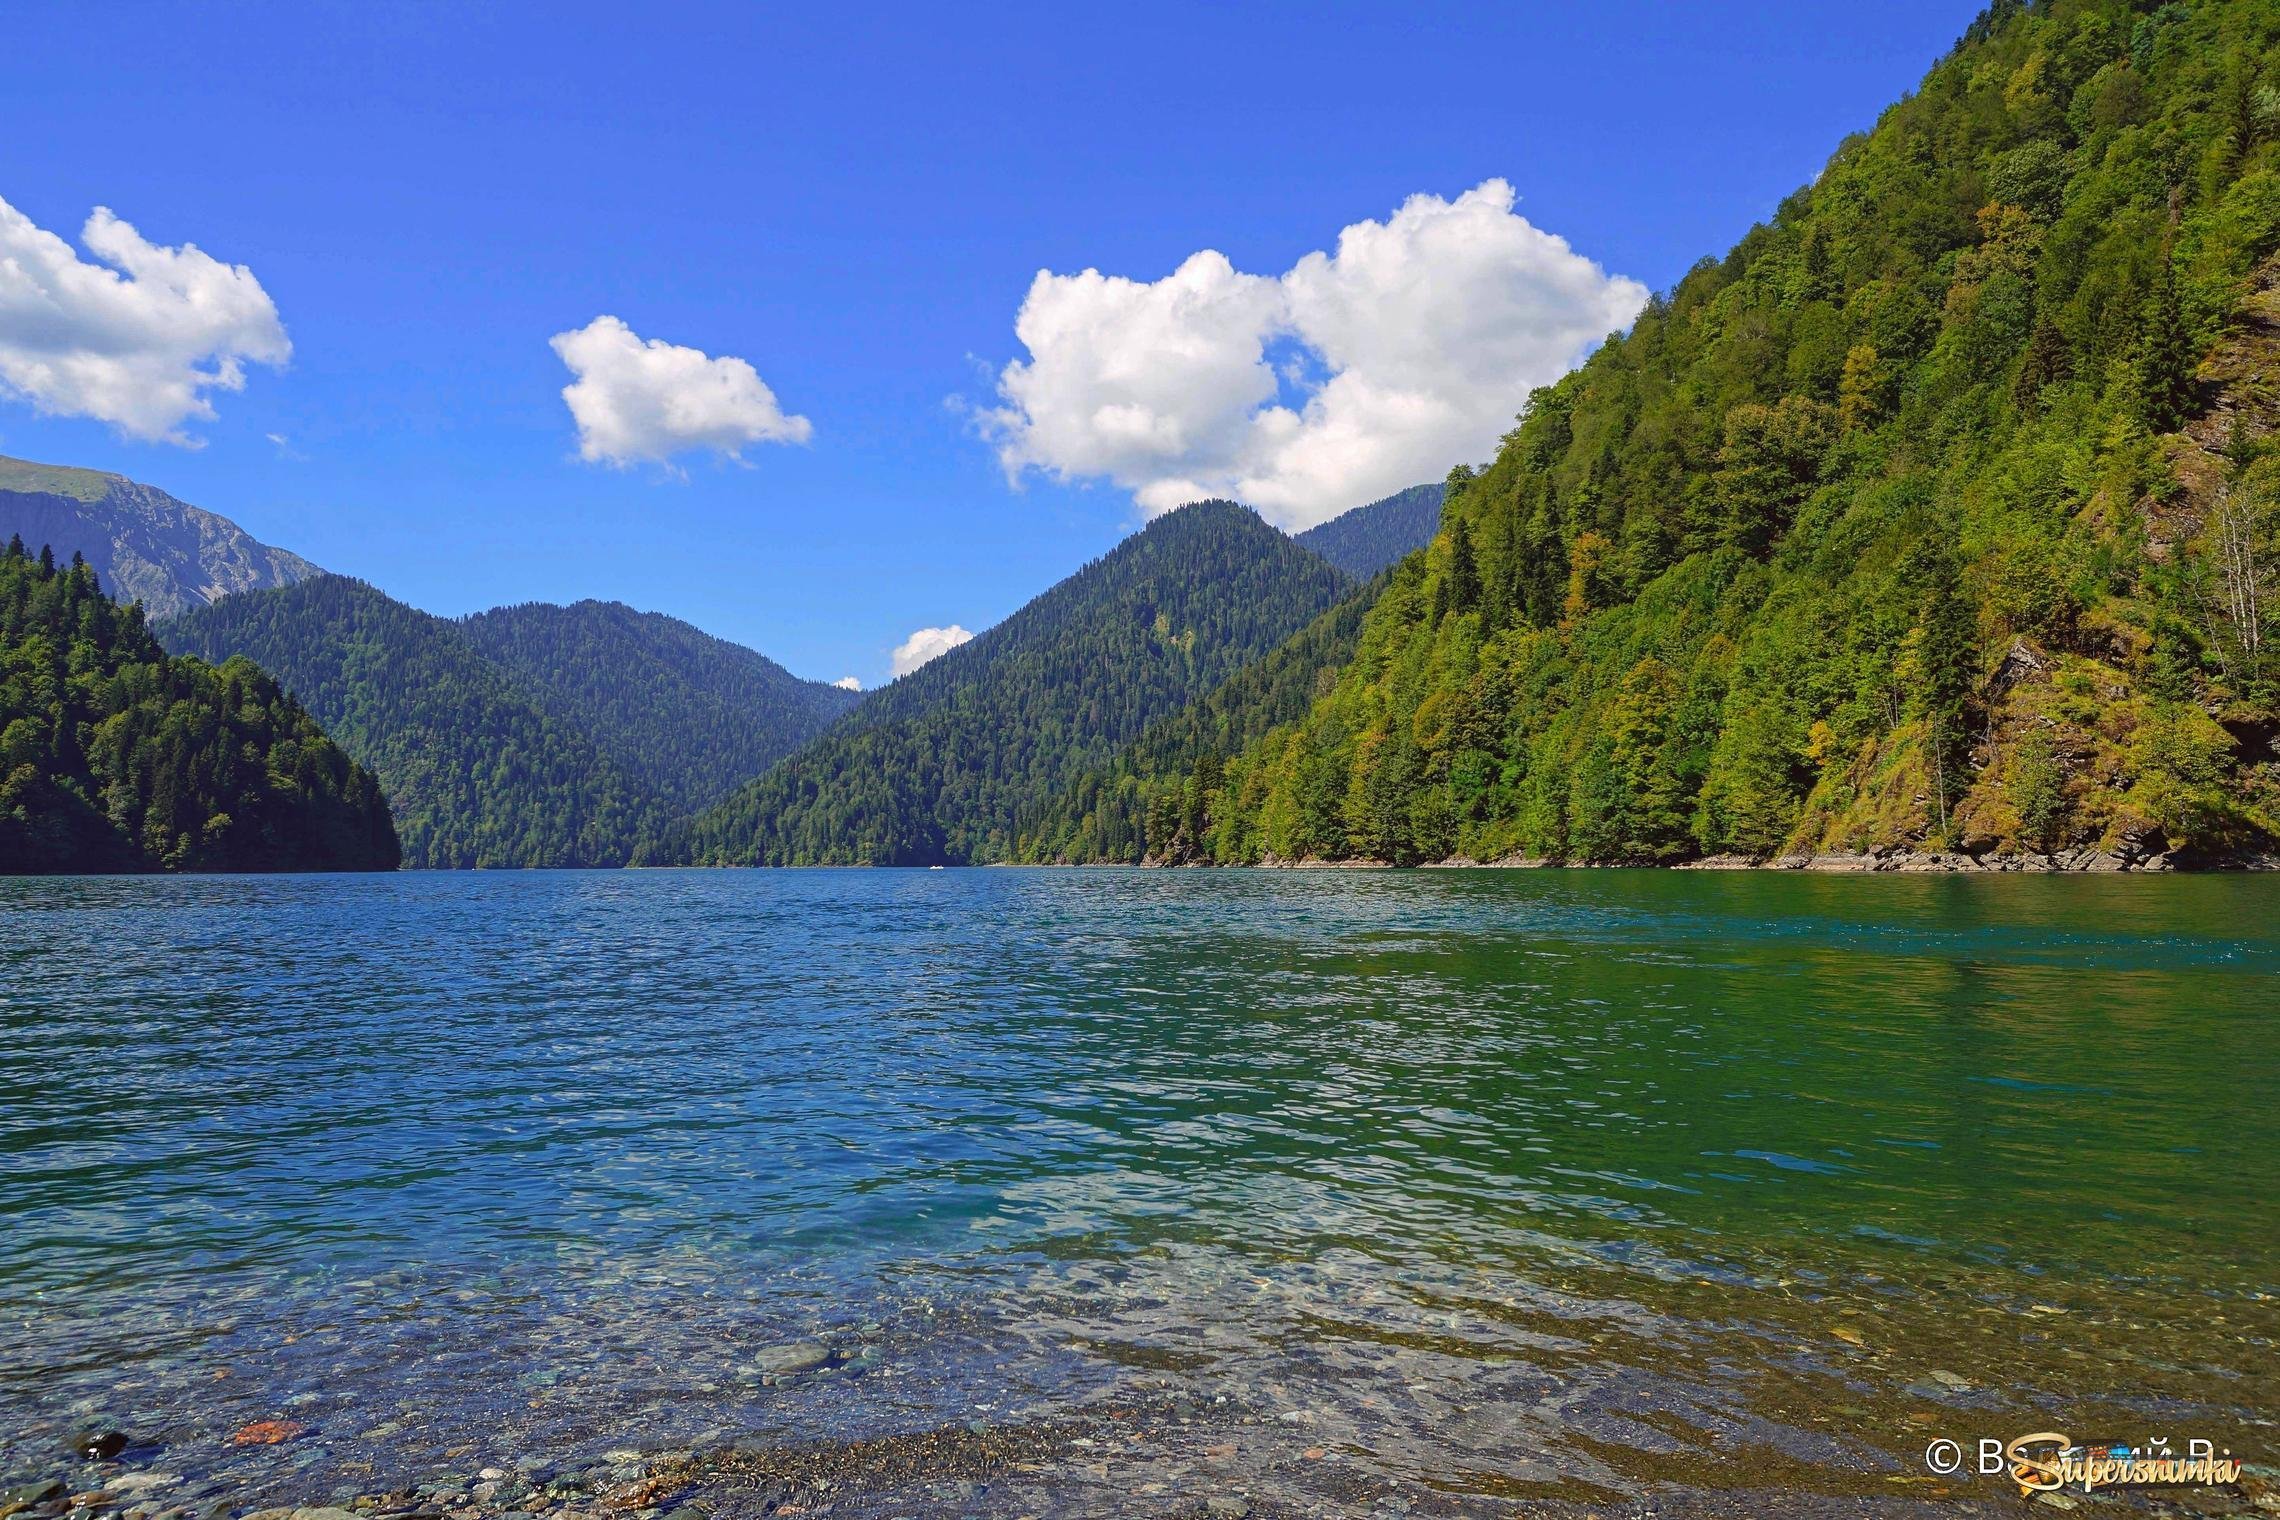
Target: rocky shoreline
x: 2088, y: 860
x: 1128, y: 1465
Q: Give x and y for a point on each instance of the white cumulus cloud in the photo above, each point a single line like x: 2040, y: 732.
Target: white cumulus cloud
x: 635, y: 399
x: 137, y: 339
x: 848, y: 683
x: 926, y: 644
x: 1407, y: 350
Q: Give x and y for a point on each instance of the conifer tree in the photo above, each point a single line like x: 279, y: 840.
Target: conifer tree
x: 2163, y: 373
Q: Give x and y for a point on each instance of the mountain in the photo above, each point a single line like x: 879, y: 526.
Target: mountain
x: 1934, y: 523
x: 1148, y: 803
x: 1368, y: 539
x: 686, y: 715
x: 114, y: 757
x: 950, y: 763
x: 481, y: 773
x: 142, y: 543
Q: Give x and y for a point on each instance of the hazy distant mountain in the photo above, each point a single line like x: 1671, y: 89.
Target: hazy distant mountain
x: 687, y: 714
x: 1367, y: 539
x: 145, y: 545
x: 952, y: 762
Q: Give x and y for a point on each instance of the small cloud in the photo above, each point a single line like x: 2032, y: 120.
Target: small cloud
x: 848, y: 683
x: 927, y: 644
x: 638, y: 399
x: 137, y: 344
x: 285, y: 449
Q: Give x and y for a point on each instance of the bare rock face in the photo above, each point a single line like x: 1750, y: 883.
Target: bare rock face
x: 145, y: 545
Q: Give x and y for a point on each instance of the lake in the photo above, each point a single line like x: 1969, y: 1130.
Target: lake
x: 1026, y: 1192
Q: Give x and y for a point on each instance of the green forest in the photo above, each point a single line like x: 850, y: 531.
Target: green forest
x: 1369, y: 539
x: 480, y: 772
x: 952, y: 763
x: 1152, y: 801
x: 115, y: 756
x: 685, y: 714
x: 1937, y: 516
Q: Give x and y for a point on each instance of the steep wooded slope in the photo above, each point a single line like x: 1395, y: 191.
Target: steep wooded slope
x: 1936, y: 516
x: 116, y: 757
x: 479, y: 772
x: 1376, y: 537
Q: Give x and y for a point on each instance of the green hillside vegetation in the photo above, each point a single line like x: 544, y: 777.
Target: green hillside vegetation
x: 954, y: 762
x: 1936, y: 516
x: 1373, y: 538
x: 115, y: 756
x: 686, y: 715
x: 480, y: 772
x: 1150, y: 802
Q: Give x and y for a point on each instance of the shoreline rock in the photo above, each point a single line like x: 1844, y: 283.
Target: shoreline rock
x: 2085, y: 861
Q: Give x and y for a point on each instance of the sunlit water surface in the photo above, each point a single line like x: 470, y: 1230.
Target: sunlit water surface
x: 1584, y: 1185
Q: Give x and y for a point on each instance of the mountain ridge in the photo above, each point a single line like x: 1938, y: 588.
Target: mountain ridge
x: 706, y: 714
x: 144, y: 544
x: 479, y: 772
x: 946, y: 764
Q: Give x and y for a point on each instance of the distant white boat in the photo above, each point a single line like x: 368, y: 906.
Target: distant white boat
x: 934, y: 868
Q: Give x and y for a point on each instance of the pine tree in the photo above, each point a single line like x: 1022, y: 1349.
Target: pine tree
x: 1460, y: 588
x: 2045, y: 363
x: 1947, y: 675
x: 2162, y: 376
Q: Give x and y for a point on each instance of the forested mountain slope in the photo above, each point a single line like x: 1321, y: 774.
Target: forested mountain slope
x: 143, y: 544
x: 1936, y: 516
x: 116, y: 757
x: 687, y: 715
x: 1373, y: 538
x: 480, y: 773
x: 952, y: 762
x: 1149, y: 802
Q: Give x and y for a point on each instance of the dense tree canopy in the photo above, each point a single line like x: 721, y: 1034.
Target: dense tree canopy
x: 1372, y: 538
x: 480, y: 772
x: 1938, y: 513
x: 1150, y: 801
x: 954, y: 762
x: 116, y: 757
x: 685, y: 714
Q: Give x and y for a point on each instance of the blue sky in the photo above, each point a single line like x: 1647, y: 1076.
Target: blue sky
x: 855, y: 202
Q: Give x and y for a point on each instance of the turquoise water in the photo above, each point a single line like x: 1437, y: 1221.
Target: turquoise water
x: 1574, y: 1183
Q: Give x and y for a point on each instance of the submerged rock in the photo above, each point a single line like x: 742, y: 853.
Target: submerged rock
x: 792, y: 1357
x: 25, y: 1495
